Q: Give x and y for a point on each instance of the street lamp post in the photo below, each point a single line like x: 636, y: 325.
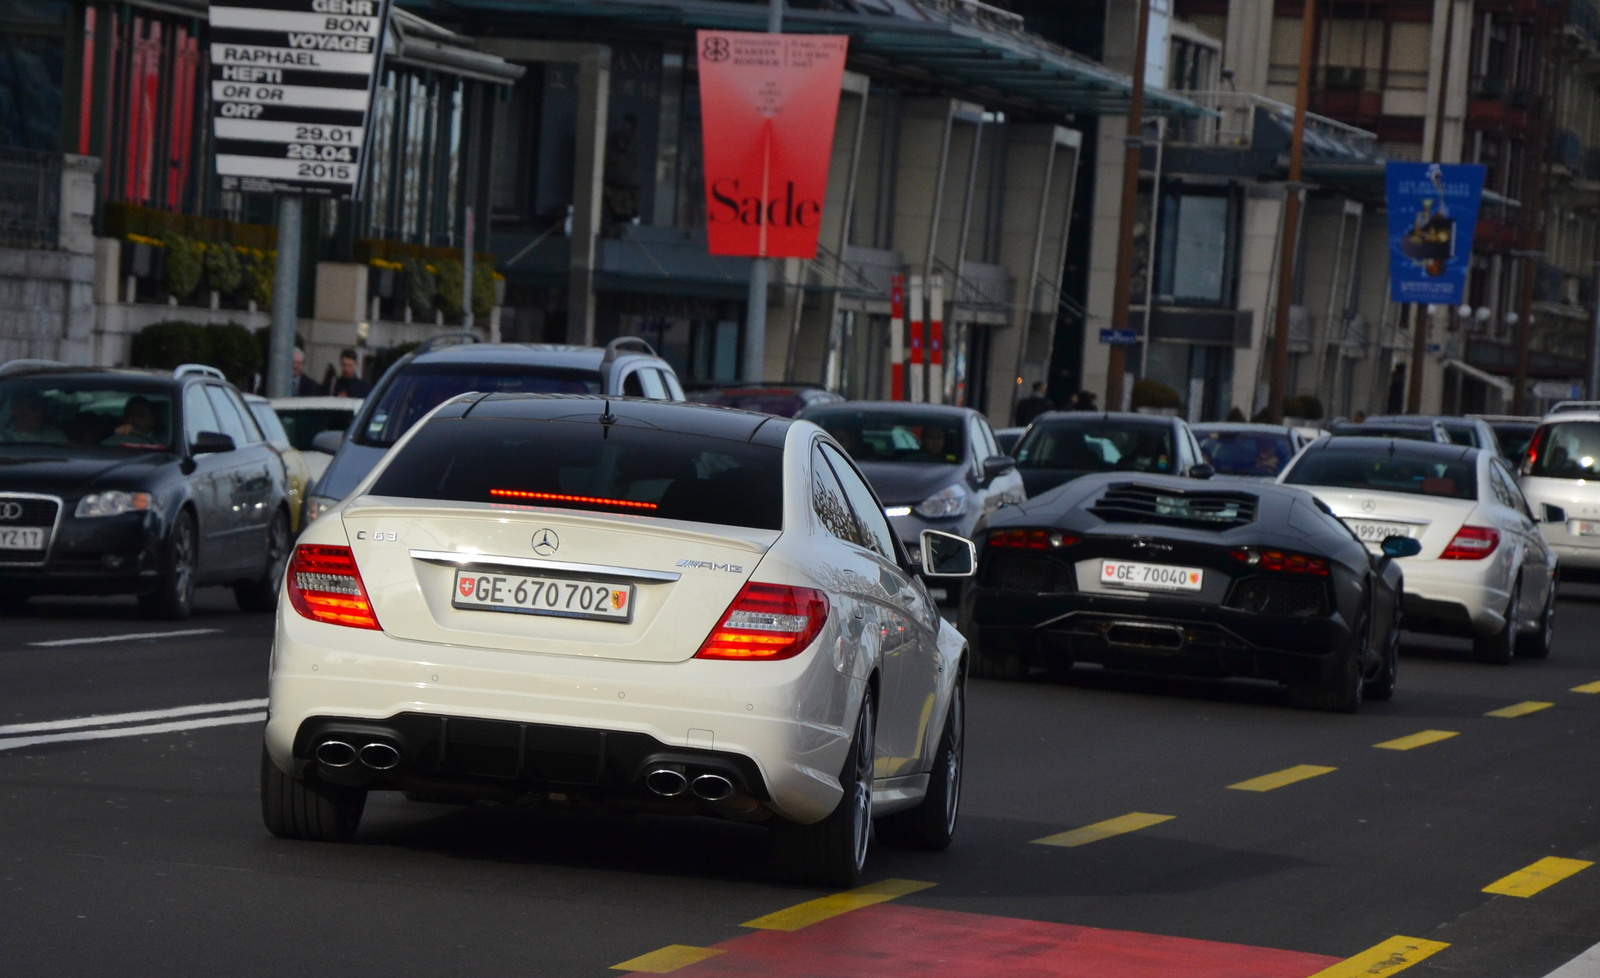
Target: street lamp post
x: 1279, y: 377
x: 755, y: 340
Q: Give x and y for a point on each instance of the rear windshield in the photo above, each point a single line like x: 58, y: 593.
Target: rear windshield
x: 1097, y: 444
x: 1246, y: 452
x: 304, y: 424
x: 1404, y: 432
x: 1513, y: 439
x: 1568, y: 450
x: 883, y: 436
x: 1382, y: 471
x: 67, y: 411
x: 421, y: 389
x: 583, y: 465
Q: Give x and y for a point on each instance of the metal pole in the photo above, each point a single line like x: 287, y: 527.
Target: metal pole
x: 1133, y: 144
x: 1593, y: 393
x: 1279, y: 377
x: 1151, y: 240
x: 755, y: 322
x: 466, y: 274
x: 1533, y: 234
x: 285, y: 300
x: 1421, y: 319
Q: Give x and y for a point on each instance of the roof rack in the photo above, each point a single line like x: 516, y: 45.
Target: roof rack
x: 1565, y: 406
x: 201, y: 369
x: 448, y: 339
x: 627, y: 344
x: 23, y: 366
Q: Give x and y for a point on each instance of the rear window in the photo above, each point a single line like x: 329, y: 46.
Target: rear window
x: 1246, y: 452
x: 304, y: 424
x: 1097, y: 444
x: 1567, y: 450
x: 1383, y: 471
x: 586, y: 466
x: 419, y: 390
x: 910, y: 437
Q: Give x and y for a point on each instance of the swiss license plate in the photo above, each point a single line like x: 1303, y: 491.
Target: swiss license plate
x: 1371, y: 532
x: 1586, y: 528
x: 556, y: 597
x: 1150, y: 577
x: 22, y: 538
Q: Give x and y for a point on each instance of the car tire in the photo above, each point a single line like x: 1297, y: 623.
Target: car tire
x: 297, y: 808
x: 1342, y: 693
x: 932, y: 824
x: 1500, y: 647
x: 262, y: 595
x: 1537, y: 645
x: 173, y: 598
x: 1381, y: 687
x: 833, y: 852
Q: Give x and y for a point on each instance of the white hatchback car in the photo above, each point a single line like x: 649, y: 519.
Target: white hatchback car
x: 651, y: 606
x: 1560, y: 475
x: 1484, y: 571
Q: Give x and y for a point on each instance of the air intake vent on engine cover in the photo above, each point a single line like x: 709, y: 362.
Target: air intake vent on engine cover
x: 1129, y: 502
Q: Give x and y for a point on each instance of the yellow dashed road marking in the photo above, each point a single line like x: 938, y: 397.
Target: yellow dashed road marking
x: 1593, y: 687
x: 1278, y: 779
x: 1519, y: 709
x: 1121, y: 825
x: 1395, y: 954
x: 667, y: 959
x: 805, y: 914
x: 1421, y: 739
x: 1545, y: 873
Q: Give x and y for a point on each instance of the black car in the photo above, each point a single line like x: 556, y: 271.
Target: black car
x: 1062, y: 445
x: 129, y: 482
x: 1169, y: 575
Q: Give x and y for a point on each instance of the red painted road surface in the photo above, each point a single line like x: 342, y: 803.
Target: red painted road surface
x: 889, y: 941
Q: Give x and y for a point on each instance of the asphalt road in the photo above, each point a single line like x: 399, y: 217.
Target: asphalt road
x: 144, y: 852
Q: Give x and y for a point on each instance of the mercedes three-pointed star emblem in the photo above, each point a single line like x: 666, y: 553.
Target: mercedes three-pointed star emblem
x: 545, y: 542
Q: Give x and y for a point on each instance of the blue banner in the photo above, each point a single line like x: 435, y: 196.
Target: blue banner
x: 1433, y: 210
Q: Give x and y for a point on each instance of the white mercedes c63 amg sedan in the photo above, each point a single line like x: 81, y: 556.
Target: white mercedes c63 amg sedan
x: 639, y: 605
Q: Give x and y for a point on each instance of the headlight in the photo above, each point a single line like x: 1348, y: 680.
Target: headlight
x: 317, y: 505
x: 949, y: 501
x: 114, y: 502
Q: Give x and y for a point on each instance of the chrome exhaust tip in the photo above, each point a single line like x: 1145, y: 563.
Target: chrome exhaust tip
x: 666, y: 782
x: 712, y: 787
x: 380, y: 756
x: 335, y: 753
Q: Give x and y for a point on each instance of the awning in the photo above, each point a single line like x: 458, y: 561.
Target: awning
x: 1505, y: 387
x: 983, y: 49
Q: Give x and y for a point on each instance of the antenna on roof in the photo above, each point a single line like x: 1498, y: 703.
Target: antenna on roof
x: 606, y: 417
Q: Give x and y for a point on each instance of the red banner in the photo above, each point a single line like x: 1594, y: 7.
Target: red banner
x: 768, y: 103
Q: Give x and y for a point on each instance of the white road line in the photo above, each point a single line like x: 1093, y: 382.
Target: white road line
x: 1585, y: 965
x: 111, y: 719
x: 131, y: 636
x: 12, y: 743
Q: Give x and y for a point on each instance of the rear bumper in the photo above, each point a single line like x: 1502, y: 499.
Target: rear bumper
x: 1456, y: 597
x: 1161, y: 637
x: 535, y: 722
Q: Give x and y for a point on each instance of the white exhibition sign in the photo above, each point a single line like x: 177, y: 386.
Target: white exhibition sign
x: 291, y: 85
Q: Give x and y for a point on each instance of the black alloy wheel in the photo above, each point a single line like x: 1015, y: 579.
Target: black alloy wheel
x: 173, y: 597
x: 1537, y: 645
x: 833, y: 852
x: 1380, y: 688
x: 262, y: 594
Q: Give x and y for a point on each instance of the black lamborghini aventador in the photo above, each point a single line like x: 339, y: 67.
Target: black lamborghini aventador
x: 1171, y: 575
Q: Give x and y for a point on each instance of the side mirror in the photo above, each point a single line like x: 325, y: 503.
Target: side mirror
x: 1202, y: 471
x: 327, y: 442
x: 211, y: 442
x: 948, y: 555
x: 996, y: 466
x: 1400, y: 547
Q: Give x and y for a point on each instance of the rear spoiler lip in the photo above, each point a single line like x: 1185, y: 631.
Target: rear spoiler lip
x: 454, y: 559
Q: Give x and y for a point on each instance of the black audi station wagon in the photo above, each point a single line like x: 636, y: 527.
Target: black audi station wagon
x: 133, y: 482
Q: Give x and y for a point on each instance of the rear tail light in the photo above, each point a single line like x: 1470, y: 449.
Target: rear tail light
x: 1031, y: 539
x: 767, y: 621
x: 1279, y: 561
x: 1472, y: 543
x: 324, y: 585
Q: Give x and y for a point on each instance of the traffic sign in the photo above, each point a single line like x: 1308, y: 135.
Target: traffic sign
x: 292, y: 84
x: 1119, y: 337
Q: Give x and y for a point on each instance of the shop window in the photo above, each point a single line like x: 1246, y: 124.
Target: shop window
x: 30, y: 91
x: 1196, y: 239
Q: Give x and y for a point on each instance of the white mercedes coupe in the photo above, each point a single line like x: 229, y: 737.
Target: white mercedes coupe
x: 619, y: 603
x: 1484, y: 571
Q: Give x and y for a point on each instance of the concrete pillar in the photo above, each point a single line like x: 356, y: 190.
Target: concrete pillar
x: 341, y: 291
x: 1461, y: 70
x: 1258, y: 278
x: 1247, y: 48
x: 1104, y: 230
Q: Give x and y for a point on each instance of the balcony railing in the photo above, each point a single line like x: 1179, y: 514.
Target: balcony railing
x: 30, y: 198
x: 1236, y: 124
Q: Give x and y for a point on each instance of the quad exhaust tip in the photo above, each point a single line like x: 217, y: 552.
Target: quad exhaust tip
x: 380, y: 756
x: 666, y: 782
x: 335, y: 753
x: 712, y: 787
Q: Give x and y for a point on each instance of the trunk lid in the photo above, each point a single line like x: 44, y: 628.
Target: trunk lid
x: 682, y: 578
x: 1432, y: 520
